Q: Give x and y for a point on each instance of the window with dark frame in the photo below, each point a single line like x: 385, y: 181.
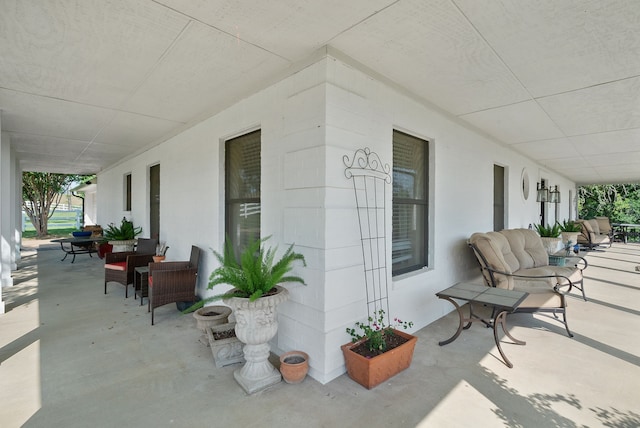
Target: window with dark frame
x: 410, y: 203
x: 127, y: 192
x: 242, y: 189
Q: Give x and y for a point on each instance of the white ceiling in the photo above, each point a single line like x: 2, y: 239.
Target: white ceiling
x: 86, y: 83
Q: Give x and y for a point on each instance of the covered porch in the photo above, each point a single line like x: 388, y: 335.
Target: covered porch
x: 72, y: 356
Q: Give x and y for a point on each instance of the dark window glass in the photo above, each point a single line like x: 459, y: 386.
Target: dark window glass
x: 127, y: 192
x: 242, y: 189
x: 410, y: 203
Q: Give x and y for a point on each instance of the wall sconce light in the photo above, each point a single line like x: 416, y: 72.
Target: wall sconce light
x: 542, y: 193
x: 554, y: 195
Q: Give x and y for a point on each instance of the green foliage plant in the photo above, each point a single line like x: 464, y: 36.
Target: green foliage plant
x: 569, y: 226
x: 254, y: 275
x: 376, y: 332
x: 124, y: 232
x: 619, y: 202
x: 548, y: 231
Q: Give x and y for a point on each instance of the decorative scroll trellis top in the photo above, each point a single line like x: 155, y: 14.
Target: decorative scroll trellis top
x: 366, y: 162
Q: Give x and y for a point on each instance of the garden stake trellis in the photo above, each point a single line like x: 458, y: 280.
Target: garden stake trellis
x: 370, y: 179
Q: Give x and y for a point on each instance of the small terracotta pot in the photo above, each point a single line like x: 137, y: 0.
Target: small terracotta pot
x: 209, y: 316
x: 158, y: 259
x: 294, y: 366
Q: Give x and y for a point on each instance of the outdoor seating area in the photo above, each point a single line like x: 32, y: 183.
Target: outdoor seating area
x: 60, y: 330
x: 516, y: 260
x: 381, y: 214
x: 120, y: 267
x: 595, y: 232
x: 161, y: 282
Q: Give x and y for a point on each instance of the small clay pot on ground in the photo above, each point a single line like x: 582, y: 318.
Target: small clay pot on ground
x: 294, y: 366
x: 209, y: 316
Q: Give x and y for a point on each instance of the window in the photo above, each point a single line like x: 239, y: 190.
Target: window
x: 127, y: 192
x: 242, y: 189
x: 410, y: 196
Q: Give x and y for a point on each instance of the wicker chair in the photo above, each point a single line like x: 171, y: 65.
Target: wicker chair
x: 119, y: 267
x: 172, y: 282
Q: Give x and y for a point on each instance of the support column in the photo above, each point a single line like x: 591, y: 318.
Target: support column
x: 16, y: 218
x: 5, y: 215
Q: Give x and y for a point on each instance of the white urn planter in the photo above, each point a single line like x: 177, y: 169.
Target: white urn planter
x: 122, y: 246
x: 570, y: 236
x: 551, y: 245
x: 256, y: 325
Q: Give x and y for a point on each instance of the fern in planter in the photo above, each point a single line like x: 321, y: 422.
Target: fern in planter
x: 569, y: 226
x: 126, y: 231
x: 254, y: 275
x: 548, y: 231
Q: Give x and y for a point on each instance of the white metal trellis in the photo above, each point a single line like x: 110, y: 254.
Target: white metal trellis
x: 370, y: 179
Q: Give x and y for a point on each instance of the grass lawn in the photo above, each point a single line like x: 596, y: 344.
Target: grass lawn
x: 53, y: 233
x: 61, y: 224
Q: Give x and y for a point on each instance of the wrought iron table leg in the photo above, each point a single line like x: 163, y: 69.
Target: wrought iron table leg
x: 460, y: 325
x: 65, y: 252
x: 502, y: 320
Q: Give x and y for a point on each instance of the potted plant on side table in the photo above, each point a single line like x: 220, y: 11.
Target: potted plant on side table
x: 569, y: 231
x: 161, y: 252
x: 254, y: 298
x: 123, y: 237
x: 380, y: 352
x: 550, y: 236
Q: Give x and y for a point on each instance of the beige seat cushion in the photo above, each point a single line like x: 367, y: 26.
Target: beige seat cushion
x: 542, y: 271
x: 542, y: 299
x: 493, y: 246
x: 604, y: 224
x: 527, y: 248
x: 586, y: 235
x: 574, y: 274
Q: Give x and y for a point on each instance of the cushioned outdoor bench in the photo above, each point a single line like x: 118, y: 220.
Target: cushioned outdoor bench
x: 515, y: 259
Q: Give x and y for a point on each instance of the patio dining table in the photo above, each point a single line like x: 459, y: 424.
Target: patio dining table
x: 626, y: 230
x: 75, y: 246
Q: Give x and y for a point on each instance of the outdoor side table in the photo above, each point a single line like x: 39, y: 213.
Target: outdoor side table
x: 502, y: 301
x: 141, y: 282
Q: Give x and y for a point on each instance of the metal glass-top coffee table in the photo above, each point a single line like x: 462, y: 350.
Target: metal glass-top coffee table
x: 502, y: 301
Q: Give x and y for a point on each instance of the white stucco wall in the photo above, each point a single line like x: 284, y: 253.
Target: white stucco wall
x: 309, y: 121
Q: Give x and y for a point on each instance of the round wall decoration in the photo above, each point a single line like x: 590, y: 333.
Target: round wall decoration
x: 524, y: 180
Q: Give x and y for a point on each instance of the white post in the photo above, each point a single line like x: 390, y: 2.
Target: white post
x: 5, y: 215
x: 16, y: 214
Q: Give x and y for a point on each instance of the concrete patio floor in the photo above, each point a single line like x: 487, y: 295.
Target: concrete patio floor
x: 71, y: 356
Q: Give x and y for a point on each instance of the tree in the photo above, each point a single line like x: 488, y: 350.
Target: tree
x: 41, y: 193
x: 619, y: 202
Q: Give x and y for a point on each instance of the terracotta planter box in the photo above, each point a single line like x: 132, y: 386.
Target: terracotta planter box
x: 371, y: 372
x: 225, y: 351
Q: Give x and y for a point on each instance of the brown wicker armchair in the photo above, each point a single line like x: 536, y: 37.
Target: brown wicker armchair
x: 119, y: 267
x: 172, y: 282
